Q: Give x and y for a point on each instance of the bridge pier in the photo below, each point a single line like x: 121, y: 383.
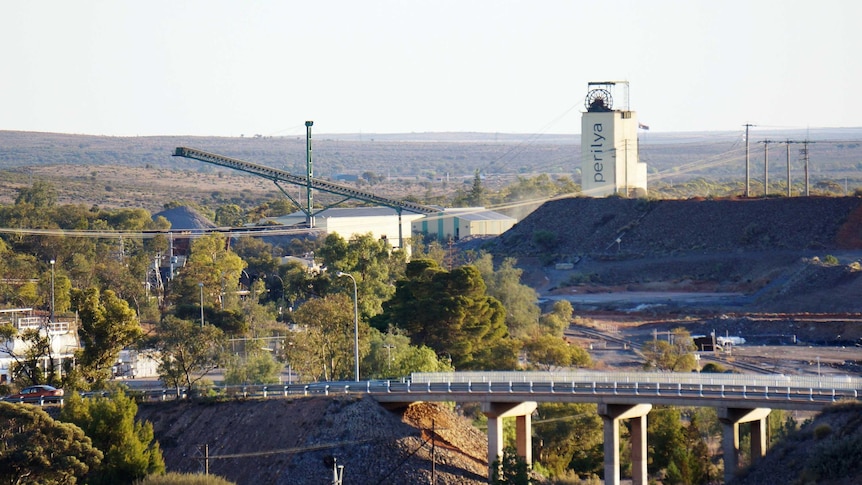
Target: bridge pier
x: 496, y: 411
x: 611, y: 415
x: 730, y: 419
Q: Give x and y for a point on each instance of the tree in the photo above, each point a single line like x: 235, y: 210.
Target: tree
x: 326, y: 349
x: 38, y: 449
x: 370, y: 261
x: 258, y: 256
x: 230, y: 215
x: 107, y: 325
x: 392, y: 355
x: 549, y: 352
x: 664, y: 436
x: 188, y: 351
x: 130, y: 452
x: 259, y: 367
x: 558, y: 320
x: 504, y: 284
x: 41, y: 195
x: 675, y: 356
x: 28, y: 362
x: 478, y: 196
x: 571, y: 438
x: 510, y: 469
x: 450, y: 312
x: 214, y: 265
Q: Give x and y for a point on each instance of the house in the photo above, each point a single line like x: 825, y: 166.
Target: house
x: 62, y: 334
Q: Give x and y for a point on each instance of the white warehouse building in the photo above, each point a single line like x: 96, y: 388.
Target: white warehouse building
x: 381, y: 222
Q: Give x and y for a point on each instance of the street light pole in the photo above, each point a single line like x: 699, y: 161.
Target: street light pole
x: 282, y: 293
x: 201, y: 285
x: 389, y: 348
x: 355, y: 323
x: 52, y: 291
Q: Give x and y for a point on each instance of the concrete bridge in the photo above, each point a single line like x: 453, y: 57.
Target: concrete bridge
x: 619, y: 395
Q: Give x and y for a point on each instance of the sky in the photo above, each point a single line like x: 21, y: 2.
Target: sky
x: 232, y: 68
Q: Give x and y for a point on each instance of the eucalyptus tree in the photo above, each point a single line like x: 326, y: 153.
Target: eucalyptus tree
x: 372, y: 263
x: 571, y: 438
x: 26, y: 367
x: 558, y: 319
x: 504, y: 284
x: 107, y: 325
x: 211, y: 273
x: 323, y: 347
x: 391, y: 354
x: 550, y: 353
x: 676, y: 354
x: 189, y: 351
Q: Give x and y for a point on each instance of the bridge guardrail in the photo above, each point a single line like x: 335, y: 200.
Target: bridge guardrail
x: 540, y: 386
x: 774, y: 380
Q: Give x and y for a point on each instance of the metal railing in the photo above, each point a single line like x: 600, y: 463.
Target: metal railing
x: 714, y: 390
x: 771, y: 380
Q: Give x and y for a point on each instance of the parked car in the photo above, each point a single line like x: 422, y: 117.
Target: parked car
x: 36, y: 394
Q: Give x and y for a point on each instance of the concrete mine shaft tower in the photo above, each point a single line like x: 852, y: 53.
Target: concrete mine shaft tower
x: 609, y: 143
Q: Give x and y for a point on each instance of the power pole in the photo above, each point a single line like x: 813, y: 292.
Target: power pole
x: 805, y: 157
x: 309, y: 173
x: 747, y: 165
x: 787, y: 147
x: 766, y: 167
x: 433, y: 455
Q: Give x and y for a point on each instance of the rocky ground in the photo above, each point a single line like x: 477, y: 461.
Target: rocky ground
x: 776, y: 255
x: 295, y: 441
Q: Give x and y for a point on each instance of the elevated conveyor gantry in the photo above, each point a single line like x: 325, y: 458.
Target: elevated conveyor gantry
x: 277, y: 176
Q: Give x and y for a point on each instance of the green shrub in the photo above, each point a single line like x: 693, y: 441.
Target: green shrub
x: 184, y: 479
x: 822, y: 431
x: 545, y: 239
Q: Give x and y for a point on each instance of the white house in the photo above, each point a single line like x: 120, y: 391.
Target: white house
x: 63, y: 336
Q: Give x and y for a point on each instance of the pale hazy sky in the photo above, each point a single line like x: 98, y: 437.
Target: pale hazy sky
x: 225, y: 68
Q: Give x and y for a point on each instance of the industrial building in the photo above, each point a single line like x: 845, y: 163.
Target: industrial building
x: 609, y: 143
x: 454, y: 224
x: 381, y: 222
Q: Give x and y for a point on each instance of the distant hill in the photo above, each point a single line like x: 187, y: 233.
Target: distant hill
x: 833, y: 152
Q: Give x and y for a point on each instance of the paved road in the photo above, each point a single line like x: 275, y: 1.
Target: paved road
x: 650, y: 298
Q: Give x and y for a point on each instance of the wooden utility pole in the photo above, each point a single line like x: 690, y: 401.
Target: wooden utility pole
x: 747, y: 164
x: 766, y: 167
x: 805, y: 157
x: 787, y: 146
x: 433, y: 455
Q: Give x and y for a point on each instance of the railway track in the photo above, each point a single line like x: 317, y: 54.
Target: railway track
x: 637, y: 349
